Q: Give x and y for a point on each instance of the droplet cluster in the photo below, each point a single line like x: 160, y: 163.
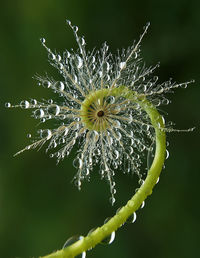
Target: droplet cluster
x: 122, y: 134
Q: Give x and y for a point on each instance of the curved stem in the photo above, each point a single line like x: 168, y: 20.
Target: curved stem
x: 135, y: 202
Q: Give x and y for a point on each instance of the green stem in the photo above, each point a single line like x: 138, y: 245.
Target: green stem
x: 135, y: 202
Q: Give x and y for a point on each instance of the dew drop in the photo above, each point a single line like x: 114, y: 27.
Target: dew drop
x: 71, y: 241
x: 83, y: 43
x: 167, y: 154
x: 112, y: 199
x: 184, y: 85
x: 80, y: 62
x: 142, y: 205
x: 108, y: 239
x: 68, y: 22
x: 60, y: 86
x: 52, y: 56
x: 54, y: 110
x: 58, y: 58
x: 7, y: 104
x: 43, y: 40
x: 122, y: 65
x: 28, y: 135
x: 75, y: 28
x: 46, y: 134
x: 24, y: 104
x: 110, y: 99
x: 33, y: 102
x: 91, y: 231
x: 38, y: 113
x: 78, y: 163
x: 132, y: 218
x: 116, y: 154
x: 46, y: 84
x: 136, y: 55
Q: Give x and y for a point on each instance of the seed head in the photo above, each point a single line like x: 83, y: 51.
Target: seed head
x: 110, y: 130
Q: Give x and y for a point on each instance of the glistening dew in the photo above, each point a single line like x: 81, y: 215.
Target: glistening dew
x: 110, y: 130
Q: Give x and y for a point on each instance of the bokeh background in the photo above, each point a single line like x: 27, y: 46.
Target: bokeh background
x: 39, y: 206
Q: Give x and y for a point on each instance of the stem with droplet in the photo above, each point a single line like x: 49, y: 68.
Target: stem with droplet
x: 146, y: 188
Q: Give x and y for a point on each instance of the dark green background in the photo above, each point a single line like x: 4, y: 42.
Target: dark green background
x: 39, y: 206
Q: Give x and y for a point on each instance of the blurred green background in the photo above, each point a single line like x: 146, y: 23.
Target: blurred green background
x: 39, y: 206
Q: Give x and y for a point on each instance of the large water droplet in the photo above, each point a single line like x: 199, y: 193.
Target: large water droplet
x: 24, y: 104
x: 33, y: 102
x: 122, y: 65
x: 54, y: 110
x: 71, y: 241
x: 167, y: 154
x: 83, y: 43
x: 52, y: 56
x: 8, y: 105
x: 109, y: 239
x: 110, y: 99
x: 60, y: 86
x: 46, y: 134
x: 46, y: 84
x: 132, y: 218
x: 78, y: 163
x: 43, y: 40
x: 38, y: 113
x: 80, y: 62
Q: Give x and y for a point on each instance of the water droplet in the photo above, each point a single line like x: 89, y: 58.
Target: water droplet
x: 46, y: 134
x: 142, y: 205
x: 43, y: 40
x: 24, y: 104
x: 46, y: 84
x: 33, y: 102
x: 60, y: 86
x: 54, y: 110
x: 167, y: 154
x: 78, y: 163
x: 80, y: 62
x: 38, y: 113
x: 132, y: 218
x: 116, y: 152
x: 122, y: 65
x: 28, y: 135
x: 75, y: 80
x: 157, y: 180
x: 136, y: 55
x: 110, y: 99
x: 83, y: 43
x: 52, y: 56
x: 71, y: 241
x: 68, y: 22
x: 184, y: 85
x: 109, y: 239
x: 75, y: 28
x: 59, y: 58
x: 8, y: 105
x: 112, y: 199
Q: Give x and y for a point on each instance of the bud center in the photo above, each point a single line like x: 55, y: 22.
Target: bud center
x: 100, y: 113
